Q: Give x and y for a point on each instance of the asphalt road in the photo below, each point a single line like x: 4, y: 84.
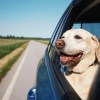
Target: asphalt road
x: 22, y: 76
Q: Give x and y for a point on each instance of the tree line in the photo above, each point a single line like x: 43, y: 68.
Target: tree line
x: 22, y: 37
x: 11, y: 37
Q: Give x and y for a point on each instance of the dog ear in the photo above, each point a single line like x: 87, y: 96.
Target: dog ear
x: 94, y: 38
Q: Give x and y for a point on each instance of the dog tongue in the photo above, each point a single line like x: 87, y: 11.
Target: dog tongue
x: 65, y: 59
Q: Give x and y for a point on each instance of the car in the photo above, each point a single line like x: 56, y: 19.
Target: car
x: 51, y: 83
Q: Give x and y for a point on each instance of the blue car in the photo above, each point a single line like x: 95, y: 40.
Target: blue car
x: 51, y: 83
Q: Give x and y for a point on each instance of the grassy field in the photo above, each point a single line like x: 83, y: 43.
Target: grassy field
x: 6, y: 49
x: 10, y: 51
x: 10, y: 41
x: 7, y: 62
x: 8, y: 45
x: 43, y: 41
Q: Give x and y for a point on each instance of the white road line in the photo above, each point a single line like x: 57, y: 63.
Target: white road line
x: 12, y: 83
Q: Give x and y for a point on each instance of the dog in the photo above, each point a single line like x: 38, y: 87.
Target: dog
x: 80, y: 52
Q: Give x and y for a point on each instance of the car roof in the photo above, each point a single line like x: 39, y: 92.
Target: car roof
x: 86, y: 8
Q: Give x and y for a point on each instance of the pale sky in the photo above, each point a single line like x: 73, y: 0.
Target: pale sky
x: 30, y: 18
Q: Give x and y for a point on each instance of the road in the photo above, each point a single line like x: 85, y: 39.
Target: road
x: 22, y: 76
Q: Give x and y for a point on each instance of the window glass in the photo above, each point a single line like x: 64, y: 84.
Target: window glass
x: 93, y: 28
x: 76, y: 26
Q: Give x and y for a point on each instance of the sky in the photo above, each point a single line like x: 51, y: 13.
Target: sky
x: 30, y: 18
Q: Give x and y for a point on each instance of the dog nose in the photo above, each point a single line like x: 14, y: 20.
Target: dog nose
x: 60, y: 44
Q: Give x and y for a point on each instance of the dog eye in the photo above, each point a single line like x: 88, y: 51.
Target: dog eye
x: 77, y: 37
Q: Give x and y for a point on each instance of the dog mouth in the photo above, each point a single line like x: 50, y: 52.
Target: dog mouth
x: 67, y: 59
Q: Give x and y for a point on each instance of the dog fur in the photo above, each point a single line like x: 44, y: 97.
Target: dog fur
x: 82, y: 75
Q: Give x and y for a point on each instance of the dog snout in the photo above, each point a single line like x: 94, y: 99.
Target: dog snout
x: 60, y: 44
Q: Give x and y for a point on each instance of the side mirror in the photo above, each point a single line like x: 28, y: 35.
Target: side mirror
x: 31, y: 94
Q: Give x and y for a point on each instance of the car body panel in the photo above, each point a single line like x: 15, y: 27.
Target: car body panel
x: 44, y: 90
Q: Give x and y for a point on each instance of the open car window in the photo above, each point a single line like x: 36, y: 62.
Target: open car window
x: 93, y: 28
x: 88, y: 20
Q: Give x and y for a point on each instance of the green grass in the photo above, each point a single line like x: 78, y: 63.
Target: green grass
x: 8, y: 65
x: 11, y: 41
x: 43, y: 41
x: 4, y: 50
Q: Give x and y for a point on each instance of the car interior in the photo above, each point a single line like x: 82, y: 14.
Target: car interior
x: 89, y: 19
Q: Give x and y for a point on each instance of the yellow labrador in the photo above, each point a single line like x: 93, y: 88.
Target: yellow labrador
x: 80, y: 53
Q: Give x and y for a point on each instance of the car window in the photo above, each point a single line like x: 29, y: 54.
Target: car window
x: 93, y: 28
x: 92, y: 25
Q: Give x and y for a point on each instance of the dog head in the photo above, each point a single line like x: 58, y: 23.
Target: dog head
x: 78, y: 49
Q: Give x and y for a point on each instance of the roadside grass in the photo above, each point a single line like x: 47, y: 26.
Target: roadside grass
x: 43, y: 41
x: 10, y: 41
x: 4, y: 69
x: 6, y: 49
